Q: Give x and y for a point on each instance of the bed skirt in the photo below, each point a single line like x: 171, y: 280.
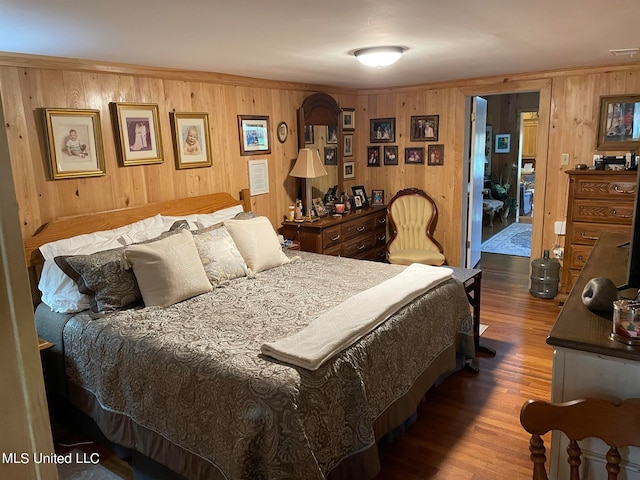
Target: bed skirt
x: 365, y: 464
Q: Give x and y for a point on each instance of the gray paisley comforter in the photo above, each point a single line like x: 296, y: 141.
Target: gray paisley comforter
x: 193, y: 372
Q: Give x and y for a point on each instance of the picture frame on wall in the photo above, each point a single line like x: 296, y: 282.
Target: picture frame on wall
x: 74, y: 143
x: 619, y: 123
x: 308, y: 135
x: 424, y: 128
x: 414, y: 155
x: 254, y: 134
x: 191, y: 140
x: 258, y: 171
x: 138, y: 133
x: 347, y: 139
x: 488, y: 147
x: 503, y: 143
x: 348, y: 169
x: 348, y: 119
x: 382, y: 130
x: 373, y: 156
x: 283, y: 132
x: 391, y: 155
x: 332, y: 134
x: 331, y: 155
x: 435, y: 155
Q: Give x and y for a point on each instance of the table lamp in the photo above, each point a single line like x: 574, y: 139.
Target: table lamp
x: 308, y: 166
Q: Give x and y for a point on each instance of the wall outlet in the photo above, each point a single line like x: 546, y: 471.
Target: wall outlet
x: 564, y: 159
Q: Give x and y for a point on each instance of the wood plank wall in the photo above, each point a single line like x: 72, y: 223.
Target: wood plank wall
x: 29, y: 86
x: 569, y: 104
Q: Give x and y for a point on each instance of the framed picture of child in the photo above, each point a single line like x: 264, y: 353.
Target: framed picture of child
x: 191, y: 140
x: 74, y: 143
x: 138, y: 133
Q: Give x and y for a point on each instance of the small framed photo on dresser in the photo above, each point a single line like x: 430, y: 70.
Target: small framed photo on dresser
x: 377, y: 197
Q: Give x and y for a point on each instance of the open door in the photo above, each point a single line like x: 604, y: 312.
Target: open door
x: 476, y: 179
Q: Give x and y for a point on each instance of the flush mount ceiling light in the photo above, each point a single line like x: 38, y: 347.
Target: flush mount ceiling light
x: 378, y: 56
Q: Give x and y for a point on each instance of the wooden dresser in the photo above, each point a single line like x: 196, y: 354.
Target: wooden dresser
x: 358, y: 234
x: 599, y: 201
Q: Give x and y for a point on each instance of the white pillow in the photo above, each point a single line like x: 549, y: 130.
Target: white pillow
x: 192, y: 220
x: 258, y: 243
x: 207, y: 219
x: 59, y: 291
x: 168, y: 270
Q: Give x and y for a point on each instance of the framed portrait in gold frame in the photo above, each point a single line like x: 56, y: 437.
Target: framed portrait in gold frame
x: 138, y: 133
x: 74, y: 143
x: 191, y: 140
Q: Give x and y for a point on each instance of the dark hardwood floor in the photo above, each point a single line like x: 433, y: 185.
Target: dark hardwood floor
x: 468, y: 427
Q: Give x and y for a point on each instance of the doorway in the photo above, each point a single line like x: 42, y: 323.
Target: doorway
x: 505, y: 109
x: 507, y: 228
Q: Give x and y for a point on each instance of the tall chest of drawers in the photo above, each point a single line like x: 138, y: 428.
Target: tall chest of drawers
x: 360, y: 234
x: 599, y: 201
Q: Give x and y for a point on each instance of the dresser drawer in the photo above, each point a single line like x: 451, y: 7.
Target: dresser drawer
x: 381, y: 237
x: 609, y: 211
x: 622, y: 186
x: 587, y: 233
x: 358, y: 227
x: 381, y: 219
x: 335, y: 250
x: 572, y: 276
x: 358, y: 245
x: 577, y: 255
x: 331, y: 236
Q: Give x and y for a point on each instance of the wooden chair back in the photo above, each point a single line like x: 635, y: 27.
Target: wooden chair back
x: 615, y: 423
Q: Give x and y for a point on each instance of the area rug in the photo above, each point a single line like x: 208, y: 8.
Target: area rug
x: 82, y: 468
x: 513, y: 240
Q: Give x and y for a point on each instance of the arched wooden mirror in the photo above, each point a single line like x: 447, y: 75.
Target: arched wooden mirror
x: 319, y: 127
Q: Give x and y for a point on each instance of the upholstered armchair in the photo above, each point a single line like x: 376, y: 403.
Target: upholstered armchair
x: 412, y: 216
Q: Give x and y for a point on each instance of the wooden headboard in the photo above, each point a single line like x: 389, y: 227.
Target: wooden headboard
x: 65, y: 227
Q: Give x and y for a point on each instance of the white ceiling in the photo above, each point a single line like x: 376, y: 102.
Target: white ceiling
x: 312, y: 42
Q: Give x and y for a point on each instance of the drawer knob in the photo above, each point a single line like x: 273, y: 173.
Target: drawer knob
x: 580, y: 257
x: 381, y: 238
x: 383, y: 220
x: 587, y: 237
x: 333, y: 239
x: 619, y: 215
x: 622, y: 190
x: 361, y: 228
x: 361, y: 246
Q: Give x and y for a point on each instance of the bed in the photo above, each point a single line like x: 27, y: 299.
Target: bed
x: 188, y: 387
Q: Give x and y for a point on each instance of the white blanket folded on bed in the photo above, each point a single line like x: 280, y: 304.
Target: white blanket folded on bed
x: 341, y: 326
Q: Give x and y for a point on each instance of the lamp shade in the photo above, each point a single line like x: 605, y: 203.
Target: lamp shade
x: 378, y: 56
x: 308, y: 164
